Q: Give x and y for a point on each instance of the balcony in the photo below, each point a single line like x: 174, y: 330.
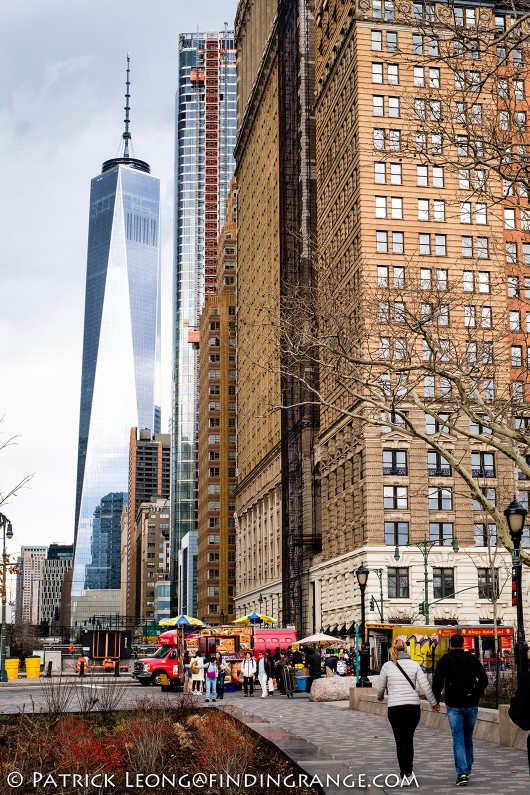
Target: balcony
x: 439, y: 472
x: 482, y: 472
x: 395, y: 471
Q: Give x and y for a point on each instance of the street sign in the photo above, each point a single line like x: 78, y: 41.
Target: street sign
x: 516, y: 557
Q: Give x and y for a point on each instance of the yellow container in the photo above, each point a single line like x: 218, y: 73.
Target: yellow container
x: 11, y: 664
x: 32, y: 667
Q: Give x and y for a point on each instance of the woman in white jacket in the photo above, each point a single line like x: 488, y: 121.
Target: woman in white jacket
x: 248, y: 669
x: 400, y: 677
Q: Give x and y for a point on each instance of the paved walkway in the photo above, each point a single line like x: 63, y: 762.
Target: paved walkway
x: 330, y: 739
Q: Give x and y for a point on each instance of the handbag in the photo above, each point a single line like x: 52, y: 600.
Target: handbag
x: 211, y: 673
x: 407, y: 677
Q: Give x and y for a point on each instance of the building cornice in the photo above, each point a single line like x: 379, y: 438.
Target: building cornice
x: 261, y: 467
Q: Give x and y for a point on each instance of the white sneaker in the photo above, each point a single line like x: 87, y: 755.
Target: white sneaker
x: 264, y: 696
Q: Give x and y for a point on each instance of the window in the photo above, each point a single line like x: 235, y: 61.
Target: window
x: 391, y: 40
x: 518, y: 391
x: 377, y: 73
x: 424, y: 243
x: 395, y: 173
x: 471, y: 352
x: 484, y: 281
x: 398, y: 583
x: 488, y: 584
x: 433, y: 425
x: 481, y: 213
x: 392, y: 74
x: 428, y: 385
x: 422, y: 176
x: 395, y: 462
x: 463, y: 179
x: 396, y: 533
x: 465, y: 212
x: 511, y: 252
x: 432, y: 46
x: 437, y: 465
x: 441, y: 533
x: 394, y: 140
x: 485, y: 534
x: 434, y: 77
x: 469, y: 316
x: 381, y: 242
x: 518, y: 89
x: 517, y: 356
x: 380, y: 206
x: 440, y: 498
x: 398, y: 243
x: 213, y: 539
x: 393, y: 107
x: 485, y: 317
x: 378, y: 107
x: 440, y: 242
x: 379, y: 173
x: 482, y: 251
x: 398, y: 277
x: 377, y: 40
x: 438, y: 210
x: 437, y: 177
x: 489, y: 493
x: 419, y: 76
x: 379, y: 139
x: 421, y: 141
x: 467, y: 246
x: 515, y: 321
x: 417, y: 44
x: 395, y: 497
x: 423, y: 209
x: 382, y: 276
x: 482, y: 464
x: 443, y: 583
x: 425, y: 279
x: 420, y: 109
x: 441, y: 279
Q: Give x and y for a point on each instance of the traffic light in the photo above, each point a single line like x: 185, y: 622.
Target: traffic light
x: 421, y: 608
x: 372, y: 604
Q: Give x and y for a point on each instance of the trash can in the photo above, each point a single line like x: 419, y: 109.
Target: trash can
x: 11, y: 664
x: 301, y: 683
x: 33, y: 667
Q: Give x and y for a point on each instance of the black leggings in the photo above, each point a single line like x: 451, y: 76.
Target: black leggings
x: 404, y: 719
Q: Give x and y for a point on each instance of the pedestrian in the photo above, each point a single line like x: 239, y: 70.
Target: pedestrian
x: 271, y: 668
x: 211, y: 672
x: 263, y: 673
x: 186, y: 662
x: 313, y: 661
x: 248, y: 670
x: 464, y: 679
x: 399, y: 677
x: 297, y: 657
x: 221, y: 668
x: 197, y: 673
x: 330, y: 663
x: 519, y: 711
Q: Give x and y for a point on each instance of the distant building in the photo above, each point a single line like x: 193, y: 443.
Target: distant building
x: 31, y: 568
x: 54, y: 568
x: 216, y: 562
x: 19, y: 591
x: 187, y: 575
x: 151, y: 555
x: 149, y: 478
x: 121, y: 354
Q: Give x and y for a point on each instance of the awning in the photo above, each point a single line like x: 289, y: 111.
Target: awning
x: 342, y: 630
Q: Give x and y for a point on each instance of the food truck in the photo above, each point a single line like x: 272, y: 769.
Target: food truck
x: 232, y: 642
x: 428, y: 643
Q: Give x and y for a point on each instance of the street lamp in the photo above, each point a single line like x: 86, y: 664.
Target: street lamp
x: 515, y: 515
x: 425, y: 548
x: 362, y: 578
x: 7, y: 532
x: 260, y: 600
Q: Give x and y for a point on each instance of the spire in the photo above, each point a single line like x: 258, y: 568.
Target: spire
x: 127, y: 135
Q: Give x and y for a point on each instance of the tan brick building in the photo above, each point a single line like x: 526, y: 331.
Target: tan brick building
x: 216, y: 560
x: 277, y: 521
x: 389, y: 221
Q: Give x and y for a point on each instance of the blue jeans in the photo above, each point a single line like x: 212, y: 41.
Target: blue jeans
x: 211, y: 687
x: 462, y: 722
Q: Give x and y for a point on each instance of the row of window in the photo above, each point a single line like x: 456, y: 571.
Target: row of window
x: 434, y: 279
x: 430, y: 244
x: 395, y: 463
x: 434, y: 210
x: 443, y: 583
x: 440, y: 498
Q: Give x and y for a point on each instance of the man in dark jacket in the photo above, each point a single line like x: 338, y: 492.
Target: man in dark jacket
x: 331, y: 663
x: 464, y: 680
x: 314, y: 662
x: 521, y: 700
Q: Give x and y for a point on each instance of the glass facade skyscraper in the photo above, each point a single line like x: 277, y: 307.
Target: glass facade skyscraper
x: 204, y: 163
x: 121, y: 355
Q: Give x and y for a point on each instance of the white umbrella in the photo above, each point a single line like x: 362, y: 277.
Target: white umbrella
x: 319, y: 638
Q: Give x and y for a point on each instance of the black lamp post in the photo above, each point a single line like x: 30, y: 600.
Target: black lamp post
x: 515, y: 515
x: 362, y: 578
x: 260, y: 600
x: 7, y: 533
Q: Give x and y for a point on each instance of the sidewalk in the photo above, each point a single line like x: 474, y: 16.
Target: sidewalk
x: 329, y: 738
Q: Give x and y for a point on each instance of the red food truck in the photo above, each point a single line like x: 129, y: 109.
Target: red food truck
x: 232, y: 642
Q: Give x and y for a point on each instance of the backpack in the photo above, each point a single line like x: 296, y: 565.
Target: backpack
x: 519, y: 710
x: 462, y: 680
x: 195, y: 667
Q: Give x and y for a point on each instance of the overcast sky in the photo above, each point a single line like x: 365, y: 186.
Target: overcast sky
x: 62, y: 67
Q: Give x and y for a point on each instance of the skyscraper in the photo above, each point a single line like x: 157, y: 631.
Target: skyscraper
x: 205, y: 139
x: 121, y: 352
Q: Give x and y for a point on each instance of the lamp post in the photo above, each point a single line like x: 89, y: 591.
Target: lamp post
x: 379, y: 573
x: 7, y: 532
x: 425, y: 548
x: 515, y: 515
x: 362, y: 578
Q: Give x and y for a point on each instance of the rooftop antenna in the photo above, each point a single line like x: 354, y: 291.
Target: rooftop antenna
x: 127, y: 135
